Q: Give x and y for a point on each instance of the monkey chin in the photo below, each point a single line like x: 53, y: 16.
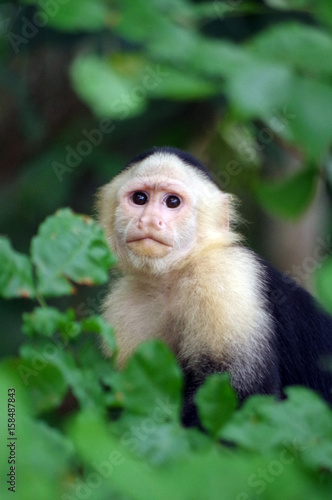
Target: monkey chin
x: 147, y: 247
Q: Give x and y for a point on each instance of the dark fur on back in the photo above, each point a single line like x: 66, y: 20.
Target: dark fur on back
x: 185, y: 157
x: 303, y: 333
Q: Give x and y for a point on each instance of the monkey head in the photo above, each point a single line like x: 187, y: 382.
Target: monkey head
x: 159, y: 209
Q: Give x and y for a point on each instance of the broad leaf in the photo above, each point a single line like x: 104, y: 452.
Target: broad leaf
x: 290, y: 197
x: 289, y: 4
x: 47, y: 386
x: 68, y: 248
x: 216, y: 403
x: 310, y: 102
x: 264, y: 424
x: 179, y: 85
x: 303, y: 47
x: 73, y: 15
x: 97, y: 324
x: 257, y: 87
x: 107, y: 91
x: 154, y: 366
x: 15, y: 272
x: 47, y: 321
x: 324, y: 284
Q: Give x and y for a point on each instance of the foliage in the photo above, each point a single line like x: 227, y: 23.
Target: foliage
x: 82, y: 429
x: 254, y: 80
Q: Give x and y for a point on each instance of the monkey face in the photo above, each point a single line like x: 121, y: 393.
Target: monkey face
x: 154, y: 220
x: 159, y: 210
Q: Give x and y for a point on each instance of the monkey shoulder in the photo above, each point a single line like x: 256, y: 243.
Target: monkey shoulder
x: 220, y: 309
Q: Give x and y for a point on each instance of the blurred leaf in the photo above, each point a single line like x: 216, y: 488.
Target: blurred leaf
x: 323, y: 11
x: 153, y: 439
x: 69, y: 247
x: 179, y: 85
x: 310, y: 101
x: 48, y: 320
x: 16, y: 272
x: 263, y: 424
x: 53, y: 461
x: 197, y: 476
x: 257, y: 87
x: 46, y: 384
x: 289, y: 4
x: 218, y: 57
x: 216, y: 402
x: 97, y: 324
x: 324, y: 284
x: 153, y: 365
x: 215, y: 9
x: 91, y: 433
x: 290, y: 197
x: 73, y: 15
x: 83, y: 381
x: 142, y: 21
x: 41, y: 447
x: 106, y: 91
x: 304, y: 47
x: 177, y: 46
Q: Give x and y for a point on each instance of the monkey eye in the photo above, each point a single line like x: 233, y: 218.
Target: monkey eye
x: 173, y: 201
x: 139, y: 198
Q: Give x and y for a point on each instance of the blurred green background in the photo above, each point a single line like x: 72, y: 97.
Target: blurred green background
x: 244, y: 85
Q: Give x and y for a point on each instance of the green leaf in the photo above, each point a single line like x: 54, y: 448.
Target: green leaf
x: 178, y: 45
x: 143, y: 21
x: 46, y: 384
x: 207, y: 475
x: 149, y: 390
x: 219, y: 9
x: 108, y: 92
x: 53, y: 461
x: 289, y: 4
x: 16, y: 273
x: 324, y: 284
x: 47, y: 321
x: 257, y: 87
x: 83, y: 381
x: 216, y: 403
x: 99, y: 325
x: 290, y: 197
x: 153, y: 366
x: 69, y: 247
x: 323, y: 11
x: 304, y: 47
x: 73, y: 15
x: 153, y: 439
x: 310, y: 103
x: 218, y: 58
x: 110, y: 457
x: 179, y: 85
x: 302, y: 422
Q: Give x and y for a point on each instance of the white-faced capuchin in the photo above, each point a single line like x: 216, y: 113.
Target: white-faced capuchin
x: 189, y: 281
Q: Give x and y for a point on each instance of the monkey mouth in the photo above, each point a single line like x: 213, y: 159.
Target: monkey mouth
x: 148, y: 246
x: 148, y: 239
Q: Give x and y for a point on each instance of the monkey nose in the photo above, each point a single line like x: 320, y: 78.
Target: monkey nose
x: 151, y: 221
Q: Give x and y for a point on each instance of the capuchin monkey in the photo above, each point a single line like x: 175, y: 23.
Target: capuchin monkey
x: 188, y: 281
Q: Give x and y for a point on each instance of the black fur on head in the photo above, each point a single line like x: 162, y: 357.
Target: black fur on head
x: 185, y: 157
